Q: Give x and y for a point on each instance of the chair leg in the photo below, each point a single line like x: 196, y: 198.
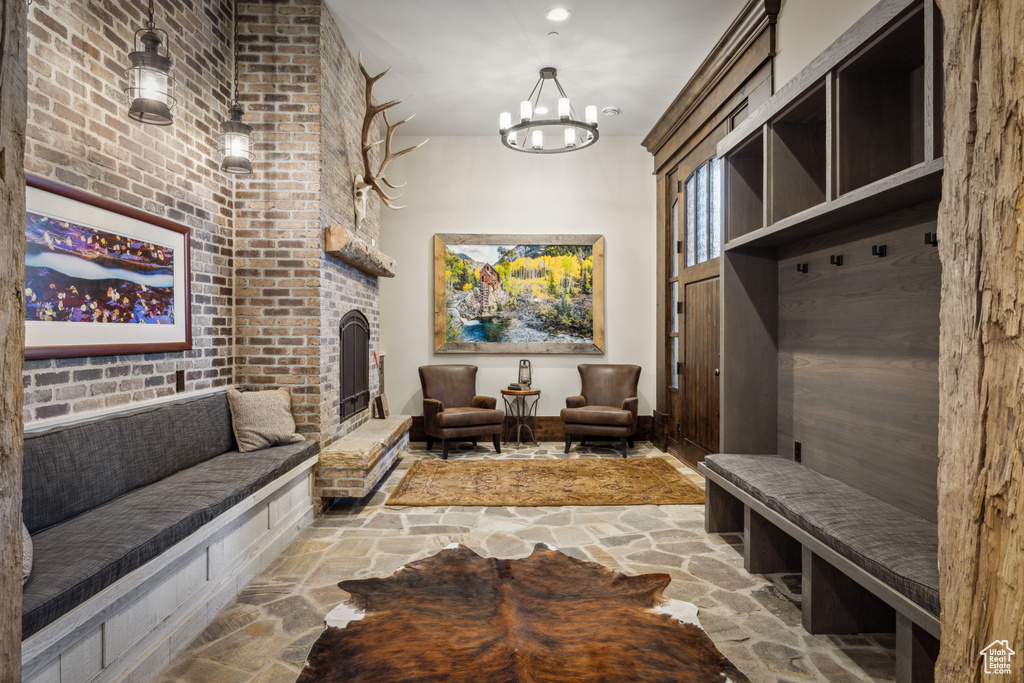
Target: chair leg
x: 630, y: 440
x: 430, y: 444
x: 583, y: 442
x: 497, y: 443
x: 444, y: 449
x: 622, y: 445
x: 568, y: 442
x: 474, y: 441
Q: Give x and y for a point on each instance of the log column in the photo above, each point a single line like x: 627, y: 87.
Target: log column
x: 12, y: 325
x: 981, y: 357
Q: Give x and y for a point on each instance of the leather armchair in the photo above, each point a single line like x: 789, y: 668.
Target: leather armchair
x: 606, y: 406
x: 452, y: 410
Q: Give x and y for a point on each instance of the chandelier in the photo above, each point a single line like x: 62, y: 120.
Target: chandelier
x: 542, y: 136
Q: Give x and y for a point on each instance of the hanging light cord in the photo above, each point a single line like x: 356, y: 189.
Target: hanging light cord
x: 150, y: 24
x: 234, y: 44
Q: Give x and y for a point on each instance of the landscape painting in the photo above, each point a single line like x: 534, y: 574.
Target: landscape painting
x: 519, y: 293
x: 101, y: 279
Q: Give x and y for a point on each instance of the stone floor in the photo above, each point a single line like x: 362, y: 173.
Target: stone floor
x: 266, y: 632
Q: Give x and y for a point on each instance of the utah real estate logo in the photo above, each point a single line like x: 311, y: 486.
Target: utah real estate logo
x: 997, y: 657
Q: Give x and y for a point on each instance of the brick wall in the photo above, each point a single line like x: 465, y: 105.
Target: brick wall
x: 267, y: 300
x: 79, y: 134
x: 304, y: 93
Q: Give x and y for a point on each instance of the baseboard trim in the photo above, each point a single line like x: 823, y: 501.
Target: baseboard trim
x: 549, y: 428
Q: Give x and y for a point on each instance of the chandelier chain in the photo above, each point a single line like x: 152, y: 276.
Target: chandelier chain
x: 150, y: 24
x: 234, y: 45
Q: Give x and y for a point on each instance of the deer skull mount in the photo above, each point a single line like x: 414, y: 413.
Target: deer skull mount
x: 370, y: 179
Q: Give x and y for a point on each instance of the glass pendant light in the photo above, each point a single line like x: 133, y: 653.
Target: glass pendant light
x: 236, y: 145
x: 150, y: 81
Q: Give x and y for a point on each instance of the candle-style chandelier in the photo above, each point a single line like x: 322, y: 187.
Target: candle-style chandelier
x: 150, y: 81
x: 548, y: 135
x: 236, y: 144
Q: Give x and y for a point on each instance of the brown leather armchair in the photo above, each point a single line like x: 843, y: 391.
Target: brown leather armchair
x: 606, y: 406
x: 452, y: 410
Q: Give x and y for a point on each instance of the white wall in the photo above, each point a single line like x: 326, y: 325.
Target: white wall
x: 807, y: 27
x: 475, y: 185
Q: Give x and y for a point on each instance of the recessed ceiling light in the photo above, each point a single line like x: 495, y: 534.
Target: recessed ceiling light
x: 558, y: 14
x: 610, y: 111
x: 541, y: 110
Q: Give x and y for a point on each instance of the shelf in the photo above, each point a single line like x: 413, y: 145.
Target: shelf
x: 744, y: 186
x: 881, y: 106
x: 906, y: 188
x: 798, y: 156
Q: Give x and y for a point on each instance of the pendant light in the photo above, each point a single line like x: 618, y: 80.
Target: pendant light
x: 150, y: 81
x: 236, y: 145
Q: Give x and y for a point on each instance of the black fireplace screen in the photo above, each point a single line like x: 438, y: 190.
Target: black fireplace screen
x: 355, y: 364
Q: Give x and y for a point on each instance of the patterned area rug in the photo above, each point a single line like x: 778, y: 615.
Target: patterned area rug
x: 534, y: 483
x: 458, y: 617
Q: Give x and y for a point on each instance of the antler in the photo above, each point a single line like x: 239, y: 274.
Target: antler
x: 372, y: 179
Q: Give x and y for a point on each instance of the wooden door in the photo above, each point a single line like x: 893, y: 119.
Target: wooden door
x: 699, y: 382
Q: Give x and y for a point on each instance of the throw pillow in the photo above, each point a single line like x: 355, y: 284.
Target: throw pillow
x: 26, y: 554
x: 261, y: 419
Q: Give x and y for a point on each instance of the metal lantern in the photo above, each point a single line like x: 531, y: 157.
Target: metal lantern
x: 150, y: 81
x: 525, y: 373
x: 236, y: 146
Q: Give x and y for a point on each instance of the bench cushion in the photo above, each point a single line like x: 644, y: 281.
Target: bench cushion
x: 895, y: 546
x: 74, y: 468
x: 77, y: 559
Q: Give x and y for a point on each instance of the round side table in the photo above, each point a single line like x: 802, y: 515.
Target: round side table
x: 523, y: 411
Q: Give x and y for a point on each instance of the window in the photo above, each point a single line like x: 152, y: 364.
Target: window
x: 355, y: 364
x: 704, y: 213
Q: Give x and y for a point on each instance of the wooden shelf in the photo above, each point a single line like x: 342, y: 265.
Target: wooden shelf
x: 906, y: 188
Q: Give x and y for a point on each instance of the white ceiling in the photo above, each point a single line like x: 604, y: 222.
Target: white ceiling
x: 462, y: 62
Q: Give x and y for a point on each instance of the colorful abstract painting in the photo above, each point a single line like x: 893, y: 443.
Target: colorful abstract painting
x: 101, y: 278
x: 78, y: 274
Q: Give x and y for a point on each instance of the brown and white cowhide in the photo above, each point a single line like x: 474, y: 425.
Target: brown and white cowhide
x: 462, y: 618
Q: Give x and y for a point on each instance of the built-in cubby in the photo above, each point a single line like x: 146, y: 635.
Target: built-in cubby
x: 798, y: 153
x: 881, y: 96
x: 744, y: 185
x: 830, y: 290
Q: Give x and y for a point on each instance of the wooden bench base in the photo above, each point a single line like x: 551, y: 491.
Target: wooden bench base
x: 838, y: 597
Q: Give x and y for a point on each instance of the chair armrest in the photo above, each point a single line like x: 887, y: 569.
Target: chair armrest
x: 630, y: 404
x: 486, y: 402
x: 431, y: 407
x: 575, y: 402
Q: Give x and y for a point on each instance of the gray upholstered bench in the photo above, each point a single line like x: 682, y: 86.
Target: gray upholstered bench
x: 868, y: 567
x: 144, y: 524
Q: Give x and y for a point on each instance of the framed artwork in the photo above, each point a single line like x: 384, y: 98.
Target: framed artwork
x: 101, y: 278
x: 518, y: 294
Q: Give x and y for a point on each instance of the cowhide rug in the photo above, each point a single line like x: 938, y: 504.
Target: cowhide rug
x: 461, y: 618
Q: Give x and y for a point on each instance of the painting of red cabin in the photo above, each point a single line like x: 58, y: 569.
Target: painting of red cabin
x: 519, y: 293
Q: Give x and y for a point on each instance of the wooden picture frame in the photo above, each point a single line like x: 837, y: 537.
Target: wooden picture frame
x: 526, y: 304
x: 101, y: 278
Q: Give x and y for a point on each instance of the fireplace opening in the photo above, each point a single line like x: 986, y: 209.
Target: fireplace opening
x: 355, y: 364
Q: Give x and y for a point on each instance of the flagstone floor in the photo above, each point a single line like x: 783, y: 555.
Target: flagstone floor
x: 265, y: 633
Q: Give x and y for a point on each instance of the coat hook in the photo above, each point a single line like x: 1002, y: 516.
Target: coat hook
x: 878, y: 251
x: 836, y: 260
x: 931, y: 238
x: 801, y: 267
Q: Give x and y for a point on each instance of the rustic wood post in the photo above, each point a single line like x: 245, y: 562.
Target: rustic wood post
x: 12, y: 325
x: 981, y: 358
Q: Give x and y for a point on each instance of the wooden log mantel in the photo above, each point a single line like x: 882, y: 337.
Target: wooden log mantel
x: 341, y: 243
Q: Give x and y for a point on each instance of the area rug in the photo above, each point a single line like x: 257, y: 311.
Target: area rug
x: 458, y: 617
x: 533, y: 483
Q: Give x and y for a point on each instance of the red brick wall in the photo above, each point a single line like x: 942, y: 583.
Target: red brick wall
x: 79, y: 135
x: 267, y: 300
